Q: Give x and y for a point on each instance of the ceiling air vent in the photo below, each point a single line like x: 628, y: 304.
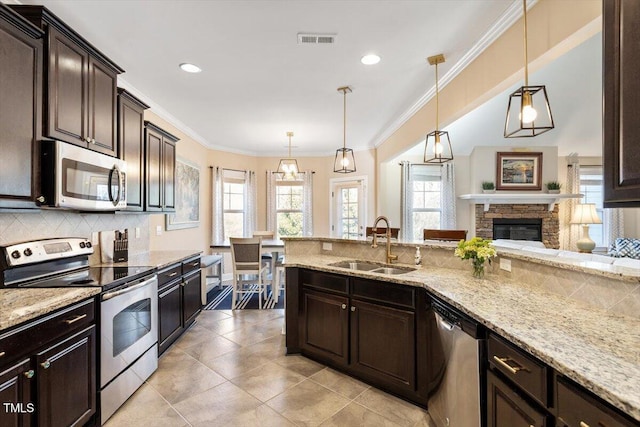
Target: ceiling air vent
x: 304, y: 38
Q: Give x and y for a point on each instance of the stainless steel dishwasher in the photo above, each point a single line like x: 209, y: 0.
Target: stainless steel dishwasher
x: 456, y: 343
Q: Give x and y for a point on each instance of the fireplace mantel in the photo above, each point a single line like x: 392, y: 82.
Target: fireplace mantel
x: 488, y: 199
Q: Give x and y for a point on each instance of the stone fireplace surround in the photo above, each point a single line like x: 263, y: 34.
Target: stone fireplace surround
x: 550, y: 220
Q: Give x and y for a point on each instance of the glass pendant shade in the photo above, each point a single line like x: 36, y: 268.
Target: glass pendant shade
x: 345, y: 161
x: 288, y: 167
x: 437, y: 148
x: 528, y: 111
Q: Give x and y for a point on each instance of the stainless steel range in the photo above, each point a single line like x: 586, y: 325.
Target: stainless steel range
x: 128, y: 308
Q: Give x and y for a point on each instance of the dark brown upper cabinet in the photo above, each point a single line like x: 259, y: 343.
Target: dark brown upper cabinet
x: 160, y: 169
x: 81, y: 85
x: 20, y: 109
x: 131, y: 146
x: 621, y: 56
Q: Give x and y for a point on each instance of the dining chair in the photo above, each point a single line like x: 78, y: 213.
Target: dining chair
x: 267, y: 258
x: 278, y: 279
x: 448, y: 235
x: 248, y: 269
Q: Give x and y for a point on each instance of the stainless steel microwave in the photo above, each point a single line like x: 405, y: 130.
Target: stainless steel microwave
x: 77, y: 178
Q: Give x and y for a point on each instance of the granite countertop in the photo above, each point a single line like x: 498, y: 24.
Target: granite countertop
x: 597, y: 349
x: 156, y: 259
x: 23, y: 304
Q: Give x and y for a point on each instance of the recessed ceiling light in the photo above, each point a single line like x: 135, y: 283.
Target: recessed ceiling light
x: 370, y: 59
x: 190, y: 68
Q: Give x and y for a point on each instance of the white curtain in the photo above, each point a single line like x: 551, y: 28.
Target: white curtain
x: 250, y: 196
x: 307, y: 204
x: 448, y: 198
x: 406, y: 201
x: 570, y: 233
x: 613, y: 225
x: 271, y: 201
x: 217, y: 214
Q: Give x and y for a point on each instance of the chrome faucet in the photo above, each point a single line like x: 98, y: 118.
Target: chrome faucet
x: 374, y: 244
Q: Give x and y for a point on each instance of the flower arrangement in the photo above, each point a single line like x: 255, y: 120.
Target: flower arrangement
x: 478, y: 250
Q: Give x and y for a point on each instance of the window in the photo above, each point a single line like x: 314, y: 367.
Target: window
x: 233, y: 199
x: 289, y: 205
x: 591, y: 187
x: 426, y: 184
x: 348, y: 213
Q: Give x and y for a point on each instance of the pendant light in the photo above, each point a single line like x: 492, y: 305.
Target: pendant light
x: 528, y: 112
x: 288, y: 168
x: 437, y: 147
x: 345, y: 162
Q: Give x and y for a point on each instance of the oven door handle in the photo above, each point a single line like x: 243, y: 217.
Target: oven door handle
x: 117, y: 293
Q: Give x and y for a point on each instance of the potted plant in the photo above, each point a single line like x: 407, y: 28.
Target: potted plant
x: 553, y: 187
x: 488, y: 187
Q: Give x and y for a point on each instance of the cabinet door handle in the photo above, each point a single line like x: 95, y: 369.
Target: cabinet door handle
x: 2, y: 353
x: 502, y: 361
x: 344, y: 306
x: 175, y: 273
x: 196, y: 264
x: 45, y: 364
x: 75, y: 319
x: 583, y: 424
x: 29, y: 374
x: 353, y: 308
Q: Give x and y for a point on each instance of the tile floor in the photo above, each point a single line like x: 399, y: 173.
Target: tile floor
x: 230, y: 369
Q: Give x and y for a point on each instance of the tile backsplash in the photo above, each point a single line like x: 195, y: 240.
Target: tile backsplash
x: 40, y: 224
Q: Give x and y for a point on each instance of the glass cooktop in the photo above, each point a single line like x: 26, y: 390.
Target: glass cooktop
x: 103, y: 277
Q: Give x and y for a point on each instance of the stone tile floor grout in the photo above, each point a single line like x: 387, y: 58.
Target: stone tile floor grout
x: 253, y: 382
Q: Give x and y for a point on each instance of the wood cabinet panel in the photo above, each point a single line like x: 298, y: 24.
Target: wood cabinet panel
x: 102, y: 108
x: 383, y: 344
x: 191, y: 298
x: 506, y: 408
x: 131, y: 146
x: 621, y: 95
x: 169, y: 315
x: 325, y: 326
x: 153, y: 171
x: 169, y: 175
x: 67, y: 89
x: 16, y: 384
x: 20, y: 109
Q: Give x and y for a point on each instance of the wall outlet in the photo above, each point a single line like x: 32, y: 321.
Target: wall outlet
x: 326, y: 246
x: 158, y: 230
x: 137, y: 232
x: 505, y: 264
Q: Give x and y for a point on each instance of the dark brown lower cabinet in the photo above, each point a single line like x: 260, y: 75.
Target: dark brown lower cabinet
x: 66, y: 374
x: 325, y: 326
x: 16, y: 383
x: 170, y: 314
x: 191, y: 297
x: 383, y: 342
x: 508, y: 408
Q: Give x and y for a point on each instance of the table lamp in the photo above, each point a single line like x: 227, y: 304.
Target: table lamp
x: 585, y: 214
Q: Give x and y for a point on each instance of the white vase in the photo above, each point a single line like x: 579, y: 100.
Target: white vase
x: 488, y: 191
x: 553, y: 191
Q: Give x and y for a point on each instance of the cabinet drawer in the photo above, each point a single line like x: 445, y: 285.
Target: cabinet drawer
x: 168, y: 274
x: 523, y: 369
x: 190, y: 265
x: 577, y: 407
x: 326, y: 281
x: 388, y: 293
x: 33, y: 335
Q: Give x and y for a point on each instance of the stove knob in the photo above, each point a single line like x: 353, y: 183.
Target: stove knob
x: 88, y: 244
x: 28, y: 252
x: 82, y: 245
x: 15, y: 254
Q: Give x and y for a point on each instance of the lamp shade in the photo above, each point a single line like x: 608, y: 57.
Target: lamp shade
x: 345, y: 161
x: 288, y: 169
x: 437, y: 148
x: 585, y: 214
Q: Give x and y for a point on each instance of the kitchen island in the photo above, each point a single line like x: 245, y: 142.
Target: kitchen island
x: 596, y: 348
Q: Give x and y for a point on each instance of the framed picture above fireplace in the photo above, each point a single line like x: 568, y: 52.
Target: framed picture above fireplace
x: 519, y: 171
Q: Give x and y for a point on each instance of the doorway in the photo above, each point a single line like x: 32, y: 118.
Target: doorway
x: 348, y: 207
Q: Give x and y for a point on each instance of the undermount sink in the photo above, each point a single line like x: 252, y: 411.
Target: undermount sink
x: 371, y: 267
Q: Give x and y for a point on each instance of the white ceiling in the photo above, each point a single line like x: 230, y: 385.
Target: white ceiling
x: 258, y: 83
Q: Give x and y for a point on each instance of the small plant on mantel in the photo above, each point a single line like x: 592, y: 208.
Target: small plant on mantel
x: 488, y: 187
x: 553, y: 187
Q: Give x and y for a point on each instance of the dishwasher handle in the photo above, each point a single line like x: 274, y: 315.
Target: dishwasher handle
x: 446, y: 323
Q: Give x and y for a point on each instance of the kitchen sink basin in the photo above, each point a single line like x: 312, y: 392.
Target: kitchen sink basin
x: 371, y: 267
x: 356, y: 265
